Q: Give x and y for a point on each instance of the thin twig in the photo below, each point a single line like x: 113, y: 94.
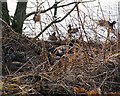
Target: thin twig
x: 24, y: 64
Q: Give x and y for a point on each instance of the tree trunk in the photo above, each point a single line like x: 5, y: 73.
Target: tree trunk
x: 19, y: 17
x: 5, y: 12
x: 119, y: 25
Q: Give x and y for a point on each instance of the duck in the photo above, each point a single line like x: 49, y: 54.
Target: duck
x: 36, y: 17
x: 53, y: 37
x: 108, y: 24
x: 111, y: 24
x: 72, y: 30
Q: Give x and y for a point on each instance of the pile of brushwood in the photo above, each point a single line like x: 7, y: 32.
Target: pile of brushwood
x: 43, y: 68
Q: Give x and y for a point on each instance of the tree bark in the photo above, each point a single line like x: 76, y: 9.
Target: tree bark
x: 19, y: 17
x: 5, y: 12
x: 118, y: 26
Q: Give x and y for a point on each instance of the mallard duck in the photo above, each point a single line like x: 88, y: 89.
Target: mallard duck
x: 36, y: 17
x: 111, y: 24
x: 106, y: 23
x: 72, y: 30
x: 53, y: 37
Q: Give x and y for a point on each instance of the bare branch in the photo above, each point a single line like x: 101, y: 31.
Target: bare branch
x: 43, y: 11
x: 56, y: 21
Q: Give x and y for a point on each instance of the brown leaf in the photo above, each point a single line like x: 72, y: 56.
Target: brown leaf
x: 79, y: 90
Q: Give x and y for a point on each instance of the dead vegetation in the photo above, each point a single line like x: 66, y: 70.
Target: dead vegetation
x: 84, y: 68
x: 70, y: 67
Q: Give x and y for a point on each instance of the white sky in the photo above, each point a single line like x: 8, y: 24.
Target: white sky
x: 104, y: 3
x: 109, y: 7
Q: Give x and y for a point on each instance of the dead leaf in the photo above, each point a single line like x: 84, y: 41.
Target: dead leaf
x: 79, y: 90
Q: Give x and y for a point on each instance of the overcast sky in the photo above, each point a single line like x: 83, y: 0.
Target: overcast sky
x: 104, y: 3
x: 109, y: 7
